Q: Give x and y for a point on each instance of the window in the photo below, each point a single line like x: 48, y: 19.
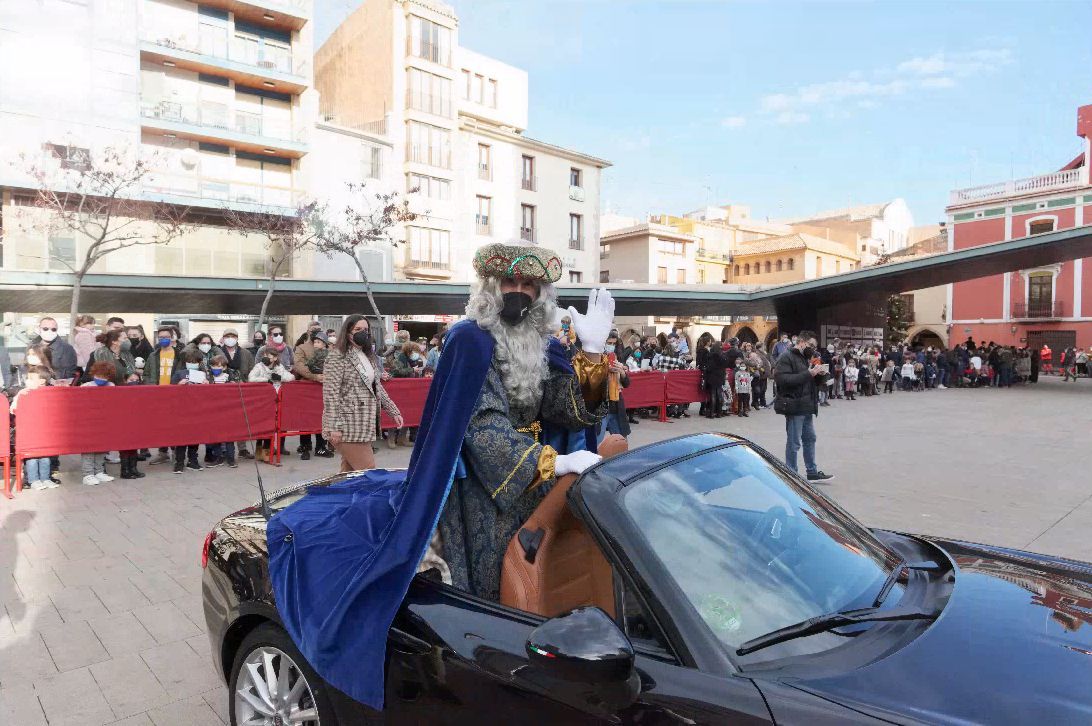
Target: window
x: 837, y: 266
x: 62, y: 253
x: 372, y: 163
x: 529, y: 173
x: 792, y: 263
x: 429, y: 248
x: 527, y: 223
x: 671, y: 247
x: 779, y: 265
x: 661, y: 275
x: 484, y: 167
x: 484, y: 217
x: 429, y: 186
x: 576, y: 232
x: 680, y: 276
x: 1040, y: 226
x: 604, y: 276
x: 768, y: 268
x: 464, y: 88
x: 429, y: 144
x: 72, y: 157
x: 429, y: 93
x: 818, y: 266
x: 430, y: 41
x: 575, y: 276
x: 701, y: 276
x: 1040, y: 294
x: 576, y: 177
x: 491, y: 93
x: 737, y: 270
x: 747, y: 269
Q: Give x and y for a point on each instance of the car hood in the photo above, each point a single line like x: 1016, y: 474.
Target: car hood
x: 1013, y: 645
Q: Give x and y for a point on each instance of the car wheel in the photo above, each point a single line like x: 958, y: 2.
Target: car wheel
x: 272, y: 685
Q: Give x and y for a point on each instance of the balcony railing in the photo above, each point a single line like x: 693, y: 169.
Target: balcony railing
x: 483, y: 226
x: 428, y: 51
x: 1037, y: 310
x: 1029, y: 185
x: 576, y: 194
x: 218, y: 116
x: 529, y: 184
x: 427, y: 264
x: 527, y: 234
x: 240, y: 50
x: 576, y: 244
x: 433, y: 103
x: 485, y: 173
x: 215, y: 190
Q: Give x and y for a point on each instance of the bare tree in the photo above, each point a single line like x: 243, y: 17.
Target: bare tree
x: 285, y: 236
x: 99, y: 200
x: 366, y: 221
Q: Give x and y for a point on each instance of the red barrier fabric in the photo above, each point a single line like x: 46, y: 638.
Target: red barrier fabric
x: 645, y: 389
x: 683, y: 387
x: 301, y: 407
x: 409, y: 395
x: 5, y: 429
x: 63, y: 420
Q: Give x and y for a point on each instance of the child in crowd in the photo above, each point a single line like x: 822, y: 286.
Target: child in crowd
x: 743, y: 389
x: 39, y: 374
x: 919, y: 376
x: 191, y: 373
x: 851, y: 373
x: 907, y: 376
x: 102, y: 374
x: 888, y: 377
x: 220, y: 373
x: 268, y: 369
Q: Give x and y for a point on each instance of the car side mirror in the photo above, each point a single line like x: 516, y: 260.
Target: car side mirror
x: 585, y: 660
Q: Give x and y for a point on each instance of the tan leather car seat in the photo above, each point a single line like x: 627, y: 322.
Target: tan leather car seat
x: 553, y: 565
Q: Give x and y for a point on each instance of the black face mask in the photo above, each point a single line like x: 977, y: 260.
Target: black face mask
x: 516, y: 307
x: 363, y: 339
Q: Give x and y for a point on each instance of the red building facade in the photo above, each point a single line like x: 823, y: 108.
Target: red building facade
x: 1051, y: 304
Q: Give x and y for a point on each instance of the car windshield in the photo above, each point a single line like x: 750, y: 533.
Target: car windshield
x: 752, y: 549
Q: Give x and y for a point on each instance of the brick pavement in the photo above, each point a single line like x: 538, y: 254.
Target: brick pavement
x: 100, y: 587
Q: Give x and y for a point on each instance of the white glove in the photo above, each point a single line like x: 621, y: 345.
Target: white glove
x: 576, y: 462
x: 593, y: 327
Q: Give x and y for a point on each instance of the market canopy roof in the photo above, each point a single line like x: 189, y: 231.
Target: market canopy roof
x: 50, y: 291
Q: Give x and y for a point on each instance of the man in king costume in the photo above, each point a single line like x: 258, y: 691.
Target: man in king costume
x: 507, y: 413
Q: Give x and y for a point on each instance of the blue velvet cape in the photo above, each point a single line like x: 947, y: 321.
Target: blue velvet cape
x: 341, y: 558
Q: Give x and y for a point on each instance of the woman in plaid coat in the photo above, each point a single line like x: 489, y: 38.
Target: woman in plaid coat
x: 352, y: 394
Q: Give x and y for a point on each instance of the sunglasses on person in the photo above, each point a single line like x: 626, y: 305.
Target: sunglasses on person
x: 54, y: 330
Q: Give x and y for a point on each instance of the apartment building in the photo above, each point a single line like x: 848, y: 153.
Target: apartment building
x: 869, y: 231
x: 214, y: 96
x: 456, y: 120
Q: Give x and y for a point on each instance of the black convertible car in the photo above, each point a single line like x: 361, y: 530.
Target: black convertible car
x: 691, y: 581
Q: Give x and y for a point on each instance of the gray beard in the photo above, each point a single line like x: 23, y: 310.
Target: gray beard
x: 520, y: 357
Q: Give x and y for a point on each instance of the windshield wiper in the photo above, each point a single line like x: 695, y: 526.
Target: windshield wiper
x: 894, y: 575
x: 823, y: 623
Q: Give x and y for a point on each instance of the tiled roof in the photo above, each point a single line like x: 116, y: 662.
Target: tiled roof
x: 798, y: 241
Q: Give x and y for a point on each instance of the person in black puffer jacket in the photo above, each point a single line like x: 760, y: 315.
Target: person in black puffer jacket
x: 798, y: 401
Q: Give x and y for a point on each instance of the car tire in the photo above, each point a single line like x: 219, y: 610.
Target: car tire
x: 265, y: 646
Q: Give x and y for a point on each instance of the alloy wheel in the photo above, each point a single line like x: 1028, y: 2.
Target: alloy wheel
x: 270, y: 690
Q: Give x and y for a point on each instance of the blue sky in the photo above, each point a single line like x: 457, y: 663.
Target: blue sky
x: 792, y: 107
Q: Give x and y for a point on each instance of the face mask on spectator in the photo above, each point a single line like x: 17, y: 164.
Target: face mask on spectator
x: 48, y: 334
x: 100, y: 381
x: 134, y: 338
x: 277, y: 337
x: 270, y: 362
x: 230, y: 342
x: 33, y: 360
x: 205, y: 347
x: 193, y: 366
x: 259, y: 341
x: 416, y: 356
x: 164, y: 342
x: 363, y: 338
x: 217, y: 371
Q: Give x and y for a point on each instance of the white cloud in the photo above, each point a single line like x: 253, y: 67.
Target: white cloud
x: 792, y: 118
x: 914, y: 76
x: 733, y: 122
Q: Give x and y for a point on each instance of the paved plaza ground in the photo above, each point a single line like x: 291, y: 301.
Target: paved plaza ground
x: 100, y: 587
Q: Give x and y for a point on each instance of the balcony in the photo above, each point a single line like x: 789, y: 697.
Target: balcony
x: 576, y: 194
x: 527, y: 234
x: 196, y: 190
x: 576, y: 244
x: 283, y: 14
x: 1038, y: 310
x: 214, y: 122
x: 1069, y: 179
x: 711, y: 256
x: 242, y: 60
x: 428, y: 269
x: 529, y: 184
x: 432, y: 155
x: 432, y: 103
x: 482, y: 226
x: 428, y: 51
x: 485, y: 173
